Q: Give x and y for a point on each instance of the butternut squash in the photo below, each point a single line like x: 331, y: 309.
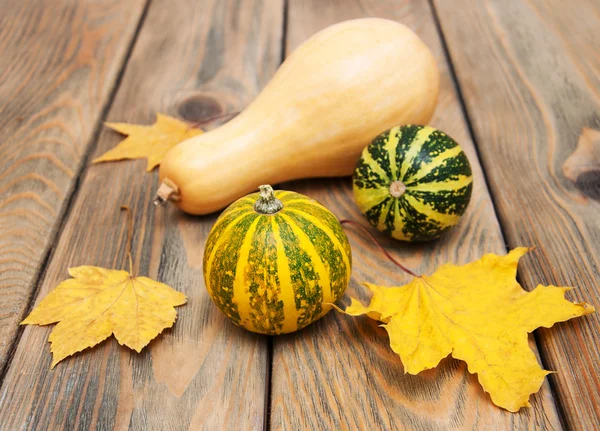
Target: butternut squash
x: 328, y: 100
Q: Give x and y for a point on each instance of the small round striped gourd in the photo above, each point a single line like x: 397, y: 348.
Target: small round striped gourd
x: 413, y: 183
x: 274, y: 261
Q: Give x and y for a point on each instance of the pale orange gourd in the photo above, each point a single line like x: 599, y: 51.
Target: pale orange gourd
x: 328, y: 100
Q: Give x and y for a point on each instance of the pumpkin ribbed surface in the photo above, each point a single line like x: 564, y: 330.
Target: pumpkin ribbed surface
x: 413, y: 183
x: 273, y: 273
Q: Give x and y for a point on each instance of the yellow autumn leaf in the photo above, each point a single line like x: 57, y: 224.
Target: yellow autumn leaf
x: 152, y: 142
x: 478, y: 313
x: 97, y: 303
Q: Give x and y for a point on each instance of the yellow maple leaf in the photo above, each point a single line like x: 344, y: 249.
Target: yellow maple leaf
x: 97, y: 303
x: 152, y: 142
x: 478, y: 313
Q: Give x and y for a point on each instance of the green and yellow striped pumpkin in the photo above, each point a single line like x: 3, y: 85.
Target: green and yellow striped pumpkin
x: 413, y: 183
x: 274, y: 261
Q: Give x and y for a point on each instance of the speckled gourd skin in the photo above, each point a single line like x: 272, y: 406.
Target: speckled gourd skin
x: 427, y: 171
x: 276, y: 273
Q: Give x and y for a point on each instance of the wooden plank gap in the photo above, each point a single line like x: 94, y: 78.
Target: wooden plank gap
x: 326, y: 362
x: 284, y: 29
x: 270, y: 342
x: 531, y: 86
x: 463, y: 107
x: 268, y: 387
x: 193, y: 59
x: 444, y: 42
x: 65, y: 209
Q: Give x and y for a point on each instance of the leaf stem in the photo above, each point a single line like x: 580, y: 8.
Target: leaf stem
x: 211, y: 119
x: 385, y: 252
x: 129, y: 236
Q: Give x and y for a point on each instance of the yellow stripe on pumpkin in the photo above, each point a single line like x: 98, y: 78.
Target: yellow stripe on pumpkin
x: 284, y: 195
x: 368, y: 198
x: 311, y: 202
x: 415, y: 148
x: 373, y: 165
x: 399, y: 217
x: 299, y: 201
x: 383, y: 215
x: 436, y: 162
x: 449, y: 186
x: 391, y: 143
x: 429, y: 212
x: 318, y: 223
x: 246, y: 209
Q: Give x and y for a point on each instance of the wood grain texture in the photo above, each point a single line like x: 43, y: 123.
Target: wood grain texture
x: 530, y: 75
x: 59, y: 62
x: 340, y: 372
x: 193, y: 59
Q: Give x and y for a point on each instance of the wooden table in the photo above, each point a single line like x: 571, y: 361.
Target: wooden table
x: 520, y: 92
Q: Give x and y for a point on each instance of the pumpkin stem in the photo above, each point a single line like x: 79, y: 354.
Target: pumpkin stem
x: 267, y: 203
x: 389, y: 256
x: 397, y: 189
x: 167, y: 190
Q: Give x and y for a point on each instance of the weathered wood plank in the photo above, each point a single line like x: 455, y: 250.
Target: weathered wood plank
x: 340, y: 373
x: 59, y: 62
x: 194, y: 59
x: 530, y: 75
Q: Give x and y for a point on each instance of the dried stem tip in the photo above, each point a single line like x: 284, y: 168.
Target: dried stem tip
x: 166, y: 191
x: 397, y: 189
x: 267, y: 203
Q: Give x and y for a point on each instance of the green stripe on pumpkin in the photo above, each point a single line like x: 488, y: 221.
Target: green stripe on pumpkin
x: 373, y: 214
x: 440, y: 186
x: 424, y: 208
x: 431, y: 163
x: 391, y: 144
x: 379, y: 157
x: 332, y: 253
x: 222, y: 229
x: 290, y: 311
x: 222, y: 266
x: 417, y: 225
x: 451, y: 169
x: 261, y: 280
x: 308, y: 293
x: 321, y: 216
x: 413, y: 139
x: 398, y: 230
x: 371, y: 175
x: 445, y: 201
x: 435, y: 145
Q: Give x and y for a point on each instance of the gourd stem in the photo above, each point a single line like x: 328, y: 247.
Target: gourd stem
x: 166, y: 191
x: 129, y: 236
x: 385, y: 252
x: 267, y: 203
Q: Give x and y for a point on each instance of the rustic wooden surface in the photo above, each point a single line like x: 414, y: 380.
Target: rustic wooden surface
x: 193, y: 59
x: 532, y: 90
x: 360, y: 382
x: 529, y: 75
x: 59, y: 62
